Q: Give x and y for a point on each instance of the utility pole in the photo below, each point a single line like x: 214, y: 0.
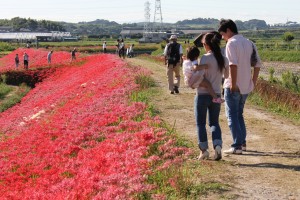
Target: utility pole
x: 158, y: 21
x: 147, y: 29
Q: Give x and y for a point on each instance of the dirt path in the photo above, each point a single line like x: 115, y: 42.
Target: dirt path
x: 270, y: 169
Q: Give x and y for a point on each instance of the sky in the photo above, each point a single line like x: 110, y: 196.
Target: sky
x: 131, y: 11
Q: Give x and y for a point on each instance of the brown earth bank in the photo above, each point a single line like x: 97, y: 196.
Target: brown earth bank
x: 269, y: 169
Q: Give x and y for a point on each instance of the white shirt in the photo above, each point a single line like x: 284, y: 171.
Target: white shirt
x: 49, y: 55
x: 238, y: 51
x: 188, y: 69
x: 104, y: 45
x: 26, y: 57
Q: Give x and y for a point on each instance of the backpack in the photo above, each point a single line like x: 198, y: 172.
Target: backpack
x: 173, y: 55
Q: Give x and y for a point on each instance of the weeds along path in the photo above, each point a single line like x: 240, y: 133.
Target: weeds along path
x: 280, y: 67
x: 270, y: 169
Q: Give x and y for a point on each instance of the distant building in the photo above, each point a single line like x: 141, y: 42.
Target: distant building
x: 6, y: 29
x: 129, y: 33
x: 32, y: 36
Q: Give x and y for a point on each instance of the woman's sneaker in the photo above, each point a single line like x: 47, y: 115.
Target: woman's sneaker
x: 233, y: 150
x: 218, y: 153
x: 203, y: 155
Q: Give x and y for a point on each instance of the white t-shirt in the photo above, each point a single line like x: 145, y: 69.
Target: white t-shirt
x: 238, y: 51
x: 192, y: 78
x: 49, y: 55
x: 26, y: 57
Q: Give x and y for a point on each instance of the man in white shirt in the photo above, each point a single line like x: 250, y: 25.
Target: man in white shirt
x: 173, y: 54
x: 104, y: 47
x: 239, y: 83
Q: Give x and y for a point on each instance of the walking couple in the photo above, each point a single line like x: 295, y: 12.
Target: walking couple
x: 235, y: 67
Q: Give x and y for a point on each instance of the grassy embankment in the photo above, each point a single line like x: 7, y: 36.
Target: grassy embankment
x: 11, y: 95
x: 177, y: 182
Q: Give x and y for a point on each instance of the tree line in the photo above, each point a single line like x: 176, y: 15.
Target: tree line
x: 19, y: 24
x: 105, y: 27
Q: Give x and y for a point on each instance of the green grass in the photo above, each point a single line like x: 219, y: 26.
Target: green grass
x: 8, y: 101
x: 274, y: 107
x: 4, y: 90
x: 284, y: 56
x: 147, y: 90
x: 4, y: 46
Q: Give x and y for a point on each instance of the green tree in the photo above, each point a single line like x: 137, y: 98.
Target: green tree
x: 288, y: 36
x: 31, y: 24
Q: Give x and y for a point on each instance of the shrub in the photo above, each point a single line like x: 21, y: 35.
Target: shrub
x: 271, y: 74
x: 288, y: 36
x: 290, y: 80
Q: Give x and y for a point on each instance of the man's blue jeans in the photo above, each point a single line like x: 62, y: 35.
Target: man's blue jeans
x: 234, y: 107
x: 204, y: 104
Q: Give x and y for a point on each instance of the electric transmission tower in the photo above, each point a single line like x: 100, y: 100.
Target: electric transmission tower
x: 157, y: 22
x: 147, y: 28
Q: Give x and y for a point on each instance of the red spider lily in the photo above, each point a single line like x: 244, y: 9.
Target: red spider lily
x: 77, y: 136
x: 37, y: 58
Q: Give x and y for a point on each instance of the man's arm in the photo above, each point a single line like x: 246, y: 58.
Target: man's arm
x: 165, y: 53
x: 233, y: 72
x: 255, y: 75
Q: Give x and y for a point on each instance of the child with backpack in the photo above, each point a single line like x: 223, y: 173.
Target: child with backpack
x: 194, y: 74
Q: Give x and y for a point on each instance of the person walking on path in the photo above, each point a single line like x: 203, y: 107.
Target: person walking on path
x: 49, y: 56
x: 73, y: 54
x: 173, y: 56
x: 122, y: 49
x: 217, y: 66
x: 240, y: 52
x: 130, y: 51
x: 26, y: 60
x: 17, y: 61
x: 104, y: 47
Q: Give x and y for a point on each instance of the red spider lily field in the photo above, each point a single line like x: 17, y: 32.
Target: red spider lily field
x: 78, y: 135
x: 37, y: 58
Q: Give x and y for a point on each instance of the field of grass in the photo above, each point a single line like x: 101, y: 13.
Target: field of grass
x: 9, y: 95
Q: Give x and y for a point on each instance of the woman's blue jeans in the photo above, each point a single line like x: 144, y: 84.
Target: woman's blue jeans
x: 203, y: 105
x: 234, y: 107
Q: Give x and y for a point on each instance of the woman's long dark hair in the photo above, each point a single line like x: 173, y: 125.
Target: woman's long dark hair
x: 213, y: 40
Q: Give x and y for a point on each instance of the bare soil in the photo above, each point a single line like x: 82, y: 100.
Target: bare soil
x: 269, y: 169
